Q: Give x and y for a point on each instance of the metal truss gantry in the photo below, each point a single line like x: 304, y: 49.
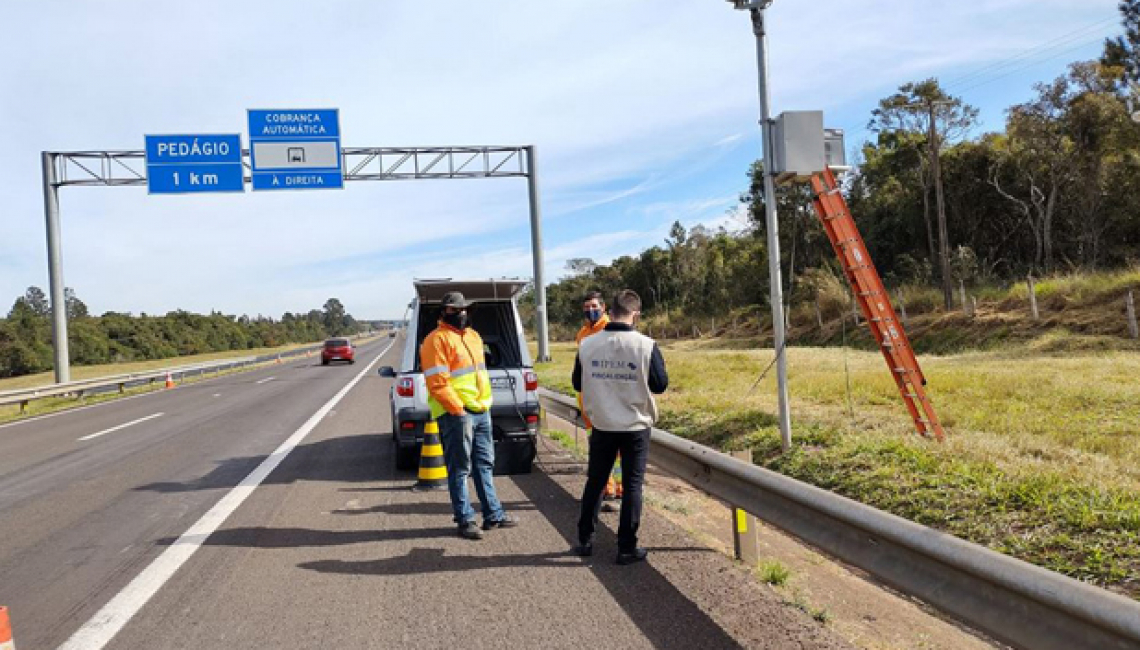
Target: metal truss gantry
x: 128, y: 168
x: 360, y: 164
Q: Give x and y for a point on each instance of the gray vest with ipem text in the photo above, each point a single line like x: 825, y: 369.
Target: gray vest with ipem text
x: 615, y: 381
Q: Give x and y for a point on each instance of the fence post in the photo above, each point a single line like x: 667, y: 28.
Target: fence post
x: 1033, y: 299
x: 745, y: 535
x: 902, y: 307
x: 962, y: 293
x: 818, y: 314
x: 855, y: 309
x: 973, y: 306
x: 1130, y: 307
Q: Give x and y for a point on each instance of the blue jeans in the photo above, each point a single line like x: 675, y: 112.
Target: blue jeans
x: 468, y: 445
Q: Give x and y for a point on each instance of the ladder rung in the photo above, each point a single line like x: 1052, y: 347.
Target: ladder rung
x: 857, y: 267
x: 870, y: 293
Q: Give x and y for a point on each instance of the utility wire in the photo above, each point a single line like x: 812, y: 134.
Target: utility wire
x: 1032, y: 52
x: 1024, y: 67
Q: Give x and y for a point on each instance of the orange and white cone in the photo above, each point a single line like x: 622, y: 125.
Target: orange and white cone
x: 169, y: 384
x: 6, y: 642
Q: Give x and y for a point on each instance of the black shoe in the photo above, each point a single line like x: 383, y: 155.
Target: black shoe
x: 470, y: 531
x: 506, y: 522
x: 637, y: 555
x: 583, y: 550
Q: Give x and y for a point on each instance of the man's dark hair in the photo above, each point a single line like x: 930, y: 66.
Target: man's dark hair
x: 594, y: 295
x: 625, y: 303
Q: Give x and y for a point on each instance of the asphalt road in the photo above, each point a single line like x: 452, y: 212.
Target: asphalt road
x: 101, y: 522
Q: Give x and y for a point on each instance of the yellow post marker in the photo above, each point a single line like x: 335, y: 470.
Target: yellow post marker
x: 745, y: 536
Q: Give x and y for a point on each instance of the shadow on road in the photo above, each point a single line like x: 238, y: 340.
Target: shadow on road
x: 264, y: 537
x: 348, y: 459
x: 666, y: 617
x: 442, y: 509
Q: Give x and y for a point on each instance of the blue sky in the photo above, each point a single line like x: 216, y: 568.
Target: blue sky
x: 643, y: 112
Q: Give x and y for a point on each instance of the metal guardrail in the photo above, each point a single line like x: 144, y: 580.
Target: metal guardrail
x: 120, y: 383
x: 1011, y: 600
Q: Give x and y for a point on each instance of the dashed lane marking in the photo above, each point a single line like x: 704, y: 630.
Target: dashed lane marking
x: 108, y: 621
x: 121, y: 426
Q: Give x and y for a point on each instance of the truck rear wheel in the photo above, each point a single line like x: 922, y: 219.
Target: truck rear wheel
x: 407, y: 457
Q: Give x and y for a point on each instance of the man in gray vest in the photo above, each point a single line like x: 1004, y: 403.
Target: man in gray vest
x: 617, y: 372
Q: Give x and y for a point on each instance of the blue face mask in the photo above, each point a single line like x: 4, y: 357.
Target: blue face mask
x: 593, y: 315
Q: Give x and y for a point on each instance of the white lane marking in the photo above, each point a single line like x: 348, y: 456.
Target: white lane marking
x: 108, y: 621
x: 262, y: 381
x: 45, y: 416
x: 217, y: 394
x: 121, y: 426
x: 118, y: 400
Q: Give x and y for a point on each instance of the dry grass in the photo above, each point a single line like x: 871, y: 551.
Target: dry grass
x: 1042, y: 459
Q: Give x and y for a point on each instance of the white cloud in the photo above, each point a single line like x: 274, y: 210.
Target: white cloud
x: 622, y: 99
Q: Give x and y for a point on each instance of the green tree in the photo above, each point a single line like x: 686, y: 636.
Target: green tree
x: 924, y: 107
x: 1123, y: 52
x: 75, y: 307
x: 37, y: 301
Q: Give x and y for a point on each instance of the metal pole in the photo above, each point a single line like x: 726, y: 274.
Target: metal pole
x: 55, y: 270
x: 536, y: 253
x: 777, y: 297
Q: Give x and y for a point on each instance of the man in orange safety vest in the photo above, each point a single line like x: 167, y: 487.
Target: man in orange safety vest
x: 594, y: 315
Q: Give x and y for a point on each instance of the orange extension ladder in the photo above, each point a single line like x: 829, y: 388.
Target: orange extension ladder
x: 874, y: 301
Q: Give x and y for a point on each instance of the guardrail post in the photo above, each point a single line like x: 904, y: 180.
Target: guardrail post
x: 1130, y: 310
x: 122, y: 388
x: 1033, y: 298
x: 745, y: 536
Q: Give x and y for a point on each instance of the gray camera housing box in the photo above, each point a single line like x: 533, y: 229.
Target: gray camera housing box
x: 802, y: 147
x: 798, y: 146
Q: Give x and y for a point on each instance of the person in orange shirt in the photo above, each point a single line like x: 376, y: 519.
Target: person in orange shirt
x: 594, y: 314
x: 460, y: 400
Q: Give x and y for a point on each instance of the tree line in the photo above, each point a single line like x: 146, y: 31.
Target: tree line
x: 1057, y: 190
x: 26, y: 334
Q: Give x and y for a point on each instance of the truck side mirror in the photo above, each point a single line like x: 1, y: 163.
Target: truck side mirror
x: 387, y: 371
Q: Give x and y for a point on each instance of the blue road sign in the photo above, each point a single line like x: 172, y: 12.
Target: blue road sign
x: 292, y: 149
x: 189, y: 164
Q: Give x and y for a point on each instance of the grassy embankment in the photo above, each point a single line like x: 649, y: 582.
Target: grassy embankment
x: 1042, y: 460
x: 1090, y: 306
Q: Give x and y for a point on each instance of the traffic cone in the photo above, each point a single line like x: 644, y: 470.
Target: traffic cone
x: 6, y: 642
x: 433, y: 471
x: 169, y: 384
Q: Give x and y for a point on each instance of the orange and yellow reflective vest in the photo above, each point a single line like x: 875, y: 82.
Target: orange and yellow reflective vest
x: 588, y: 330
x: 455, y: 371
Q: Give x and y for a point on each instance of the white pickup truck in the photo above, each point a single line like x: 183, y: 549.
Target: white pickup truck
x: 514, y: 414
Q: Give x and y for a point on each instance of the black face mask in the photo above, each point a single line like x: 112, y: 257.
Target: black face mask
x: 457, y: 320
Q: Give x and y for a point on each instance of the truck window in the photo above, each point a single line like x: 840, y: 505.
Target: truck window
x: 495, y: 322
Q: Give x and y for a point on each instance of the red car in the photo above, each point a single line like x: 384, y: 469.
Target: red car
x: 338, y: 350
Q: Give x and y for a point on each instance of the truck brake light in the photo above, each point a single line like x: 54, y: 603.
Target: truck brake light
x: 531, y: 380
x: 405, y: 387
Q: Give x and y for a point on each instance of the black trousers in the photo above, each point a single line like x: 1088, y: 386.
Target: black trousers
x: 604, y: 448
